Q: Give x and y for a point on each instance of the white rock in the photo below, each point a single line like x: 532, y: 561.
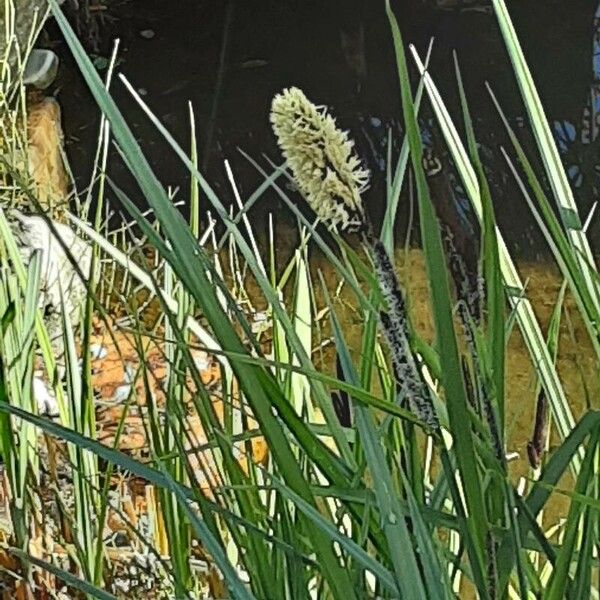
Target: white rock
x: 260, y: 322
x: 129, y: 375
x: 57, y: 273
x: 41, y: 69
x: 202, y: 361
x: 98, y: 351
x: 44, y: 398
x: 122, y: 393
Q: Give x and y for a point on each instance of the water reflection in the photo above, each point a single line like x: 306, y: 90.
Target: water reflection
x: 578, y: 141
x: 343, y: 58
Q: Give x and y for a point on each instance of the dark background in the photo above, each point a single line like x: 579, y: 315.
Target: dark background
x: 339, y: 53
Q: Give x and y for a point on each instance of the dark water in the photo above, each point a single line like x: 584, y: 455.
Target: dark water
x: 230, y: 57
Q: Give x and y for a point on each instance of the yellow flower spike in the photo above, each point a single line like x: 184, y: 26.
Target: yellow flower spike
x: 321, y: 157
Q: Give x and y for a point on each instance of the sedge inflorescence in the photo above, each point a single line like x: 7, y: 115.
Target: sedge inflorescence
x: 322, y: 159
x: 331, y: 178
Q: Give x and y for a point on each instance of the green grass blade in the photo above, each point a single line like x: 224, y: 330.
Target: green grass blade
x: 555, y: 467
x: 157, y: 478
x: 560, y: 579
x: 352, y: 548
x: 70, y: 579
x: 259, y: 387
x: 451, y: 378
x: 321, y: 398
x: 566, y: 257
x: 492, y: 274
x: 236, y: 587
x: 393, y: 190
x: 435, y: 576
x: 528, y: 323
x: 402, y: 556
x: 547, y: 147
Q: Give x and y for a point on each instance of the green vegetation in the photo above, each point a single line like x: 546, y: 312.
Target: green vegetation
x: 411, y: 498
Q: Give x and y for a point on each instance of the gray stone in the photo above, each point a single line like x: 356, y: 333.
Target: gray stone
x: 41, y: 69
x: 28, y: 14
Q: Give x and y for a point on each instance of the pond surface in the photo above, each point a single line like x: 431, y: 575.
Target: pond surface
x: 230, y: 58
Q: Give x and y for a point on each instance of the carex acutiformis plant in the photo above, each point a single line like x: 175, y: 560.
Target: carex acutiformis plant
x: 460, y: 239
x: 331, y: 178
